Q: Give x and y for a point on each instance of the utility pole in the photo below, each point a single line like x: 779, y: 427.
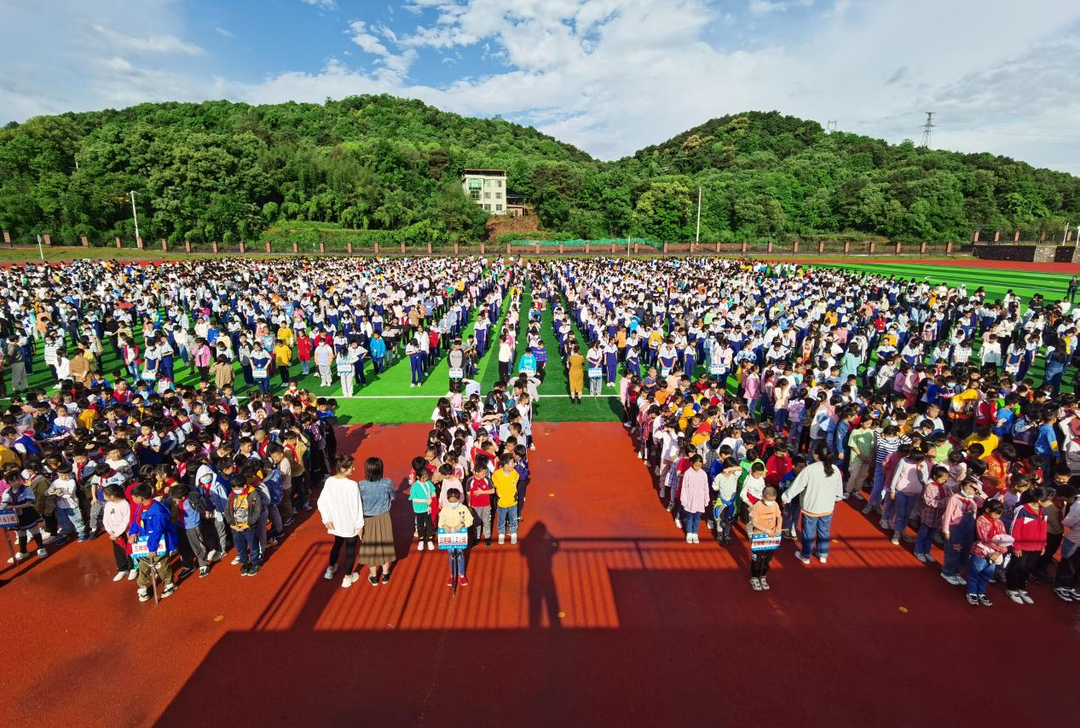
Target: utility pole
x: 697, y: 235
x: 40, y: 251
x: 926, y: 130
x: 830, y: 126
x: 135, y: 215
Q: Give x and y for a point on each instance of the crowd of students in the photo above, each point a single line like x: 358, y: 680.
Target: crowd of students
x: 764, y: 394
x: 160, y: 453
x: 761, y: 395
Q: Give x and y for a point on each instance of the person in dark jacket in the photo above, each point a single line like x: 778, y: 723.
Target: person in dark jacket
x: 244, y: 510
x: 190, y: 505
x: 152, y: 525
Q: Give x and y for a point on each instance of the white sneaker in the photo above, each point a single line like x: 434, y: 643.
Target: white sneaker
x: 802, y: 558
x: 1014, y: 595
x: 119, y: 576
x: 823, y: 559
x: 420, y: 546
x: 689, y: 538
x: 1026, y: 597
x: 42, y: 553
x: 921, y: 558
x: 329, y: 573
x: 133, y: 574
x: 235, y: 561
x: 513, y: 538
x: 349, y: 579
x: 213, y: 555
x: 697, y: 539
x: 502, y: 539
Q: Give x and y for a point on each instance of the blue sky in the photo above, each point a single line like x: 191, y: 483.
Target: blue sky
x: 609, y: 76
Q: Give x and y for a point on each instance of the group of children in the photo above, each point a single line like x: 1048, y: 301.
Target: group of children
x: 180, y: 477
x: 474, y: 474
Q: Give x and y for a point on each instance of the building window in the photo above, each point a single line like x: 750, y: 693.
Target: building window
x: 487, y: 183
x: 487, y: 195
x: 498, y: 195
x: 475, y: 194
x: 498, y: 183
x: 487, y: 207
x: 498, y: 208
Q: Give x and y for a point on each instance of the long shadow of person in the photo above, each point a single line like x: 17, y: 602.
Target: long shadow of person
x: 539, y: 548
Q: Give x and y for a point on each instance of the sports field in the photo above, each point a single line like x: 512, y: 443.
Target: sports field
x: 601, y: 615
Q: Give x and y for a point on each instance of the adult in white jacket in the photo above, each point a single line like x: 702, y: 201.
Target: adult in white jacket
x: 343, y: 515
x: 821, y: 485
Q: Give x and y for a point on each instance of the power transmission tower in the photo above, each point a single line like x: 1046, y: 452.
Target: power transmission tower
x: 926, y: 130
x: 830, y: 126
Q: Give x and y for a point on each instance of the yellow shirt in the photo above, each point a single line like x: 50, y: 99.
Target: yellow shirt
x: 282, y: 354
x: 989, y: 444
x: 86, y: 419
x: 286, y: 335
x: 8, y: 457
x: 505, y: 487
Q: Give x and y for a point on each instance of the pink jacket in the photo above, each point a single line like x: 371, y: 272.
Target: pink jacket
x: 694, y: 494
x: 202, y: 356
x: 956, y: 507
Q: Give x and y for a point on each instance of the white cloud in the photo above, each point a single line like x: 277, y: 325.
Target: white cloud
x: 762, y: 7
x: 392, y: 66
x: 366, y: 40
x: 222, y: 32
x: 323, y: 4
x: 146, y: 45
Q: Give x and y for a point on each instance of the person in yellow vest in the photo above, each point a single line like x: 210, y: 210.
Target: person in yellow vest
x: 282, y: 357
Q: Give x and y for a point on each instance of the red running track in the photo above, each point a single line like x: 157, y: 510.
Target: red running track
x: 600, y: 616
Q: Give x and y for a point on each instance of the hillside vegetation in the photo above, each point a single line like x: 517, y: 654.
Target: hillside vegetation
x: 227, y: 171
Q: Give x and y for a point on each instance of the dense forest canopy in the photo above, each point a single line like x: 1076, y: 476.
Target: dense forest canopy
x: 227, y: 171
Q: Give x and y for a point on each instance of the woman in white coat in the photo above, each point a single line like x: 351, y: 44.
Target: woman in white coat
x: 343, y: 515
x: 821, y: 485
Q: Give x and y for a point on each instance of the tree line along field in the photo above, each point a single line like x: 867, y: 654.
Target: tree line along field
x: 379, y: 168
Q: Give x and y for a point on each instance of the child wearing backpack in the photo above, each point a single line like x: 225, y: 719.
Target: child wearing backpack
x: 20, y: 498
x: 150, y: 521
x: 726, y: 504
x: 421, y: 494
x: 189, y: 509
x: 480, y: 492
x: 243, y: 512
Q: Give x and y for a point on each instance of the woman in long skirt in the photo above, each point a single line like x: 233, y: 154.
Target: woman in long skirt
x: 377, y: 539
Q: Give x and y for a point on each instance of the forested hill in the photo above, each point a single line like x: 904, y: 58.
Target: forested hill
x: 225, y: 171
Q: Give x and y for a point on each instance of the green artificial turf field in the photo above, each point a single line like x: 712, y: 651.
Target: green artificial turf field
x: 387, y: 398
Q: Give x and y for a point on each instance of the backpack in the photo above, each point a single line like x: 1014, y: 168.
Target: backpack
x: 241, y: 507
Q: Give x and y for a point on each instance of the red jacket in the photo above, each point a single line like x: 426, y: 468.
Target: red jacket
x: 1029, y: 528
x: 776, y: 468
x: 304, y: 348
